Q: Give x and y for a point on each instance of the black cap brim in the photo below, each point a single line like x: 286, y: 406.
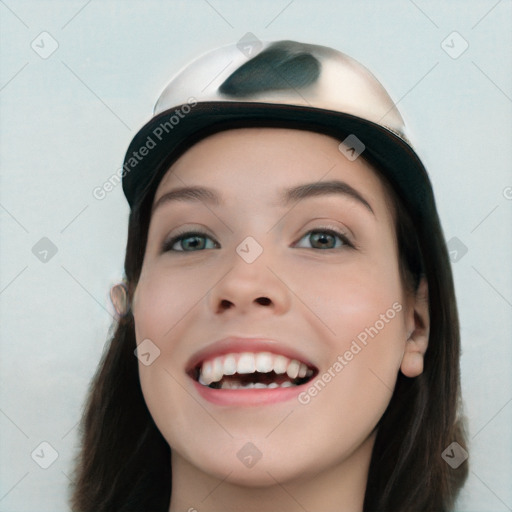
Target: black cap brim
x: 160, y: 142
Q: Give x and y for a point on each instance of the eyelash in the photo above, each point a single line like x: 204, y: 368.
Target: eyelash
x: 167, y: 245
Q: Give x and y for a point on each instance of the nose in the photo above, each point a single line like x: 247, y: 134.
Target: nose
x: 251, y: 287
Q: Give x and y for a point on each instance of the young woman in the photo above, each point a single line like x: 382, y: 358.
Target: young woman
x: 288, y: 335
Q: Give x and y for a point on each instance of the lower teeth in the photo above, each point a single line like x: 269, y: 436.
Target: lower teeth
x: 252, y: 385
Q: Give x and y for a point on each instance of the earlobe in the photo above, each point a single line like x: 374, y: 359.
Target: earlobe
x: 417, y: 343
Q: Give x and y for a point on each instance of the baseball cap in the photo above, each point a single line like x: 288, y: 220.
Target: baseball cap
x: 278, y: 84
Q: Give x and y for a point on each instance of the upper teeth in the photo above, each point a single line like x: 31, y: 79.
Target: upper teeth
x: 213, y: 370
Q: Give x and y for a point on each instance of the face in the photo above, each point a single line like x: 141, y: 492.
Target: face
x: 274, y: 316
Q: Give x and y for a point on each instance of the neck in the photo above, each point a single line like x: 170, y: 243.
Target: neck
x: 335, y: 488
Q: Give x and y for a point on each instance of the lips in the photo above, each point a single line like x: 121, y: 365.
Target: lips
x: 244, y: 363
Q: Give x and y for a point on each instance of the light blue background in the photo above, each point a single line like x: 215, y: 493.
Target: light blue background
x: 66, y: 122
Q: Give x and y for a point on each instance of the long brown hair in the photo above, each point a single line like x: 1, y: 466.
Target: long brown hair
x: 124, y: 461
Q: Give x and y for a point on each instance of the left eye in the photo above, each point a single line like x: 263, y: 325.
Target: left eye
x: 195, y: 240
x: 323, y: 239
x: 190, y: 240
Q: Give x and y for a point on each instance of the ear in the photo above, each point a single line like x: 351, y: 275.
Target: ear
x: 418, y: 327
x: 119, y: 298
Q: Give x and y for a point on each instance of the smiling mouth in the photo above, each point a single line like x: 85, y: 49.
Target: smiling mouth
x: 246, y: 370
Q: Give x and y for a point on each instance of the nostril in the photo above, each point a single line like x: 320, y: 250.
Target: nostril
x: 225, y: 304
x: 265, y: 301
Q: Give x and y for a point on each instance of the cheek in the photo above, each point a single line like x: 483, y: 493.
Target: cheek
x: 351, y: 295
x: 363, y: 343
x: 164, y: 304
x: 154, y: 318
x: 164, y: 297
x: 360, y: 305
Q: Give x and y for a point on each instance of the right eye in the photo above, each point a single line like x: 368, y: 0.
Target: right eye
x: 189, y: 241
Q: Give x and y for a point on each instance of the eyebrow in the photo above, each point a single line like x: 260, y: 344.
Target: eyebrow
x: 322, y: 188
x: 189, y: 194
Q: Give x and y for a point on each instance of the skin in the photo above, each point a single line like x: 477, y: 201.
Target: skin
x: 315, y: 455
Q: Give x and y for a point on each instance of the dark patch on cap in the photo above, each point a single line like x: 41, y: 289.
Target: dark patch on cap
x: 283, y: 65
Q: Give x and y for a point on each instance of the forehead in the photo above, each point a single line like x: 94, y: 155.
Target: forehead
x: 259, y: 164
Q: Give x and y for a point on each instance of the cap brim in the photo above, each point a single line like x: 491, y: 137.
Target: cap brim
x: 160, y: 142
